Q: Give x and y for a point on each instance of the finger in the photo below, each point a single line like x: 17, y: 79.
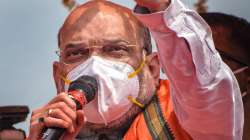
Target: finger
x: 65, y: 108
x: 63, y: 97
x: 78, y: 126
x: 57, y: 118
x: 55, y: 122
x: 35, y: 116
x: 60, y: 105
x: 80, y: 118
x: 80, y: 122
x: 59, y: 114
x: 35, y: 130
x: 36, y: 113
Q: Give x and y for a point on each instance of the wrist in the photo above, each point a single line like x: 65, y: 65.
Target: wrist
x: 161, y: 6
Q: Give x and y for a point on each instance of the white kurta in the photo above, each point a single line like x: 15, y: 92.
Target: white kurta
x: 205, y: 93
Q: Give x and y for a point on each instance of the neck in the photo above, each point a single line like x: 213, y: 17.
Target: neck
x: 88, y: 134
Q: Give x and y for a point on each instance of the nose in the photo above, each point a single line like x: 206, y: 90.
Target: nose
x: 95, y: 51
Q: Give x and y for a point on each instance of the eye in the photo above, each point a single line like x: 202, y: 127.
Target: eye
x: 76, y: 55
x: 116, y: 48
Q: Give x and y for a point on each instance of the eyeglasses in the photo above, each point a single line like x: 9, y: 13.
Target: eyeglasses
x: 79, y: 52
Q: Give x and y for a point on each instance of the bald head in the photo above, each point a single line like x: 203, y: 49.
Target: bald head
x: 103, y: 18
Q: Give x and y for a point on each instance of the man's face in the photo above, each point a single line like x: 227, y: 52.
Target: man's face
x: 110, y: 33
x: 103, y: 32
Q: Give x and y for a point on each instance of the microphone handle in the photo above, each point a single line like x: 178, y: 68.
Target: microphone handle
x: 53, y: 133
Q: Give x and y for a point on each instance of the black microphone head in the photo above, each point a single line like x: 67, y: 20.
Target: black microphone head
x: 87, y: 84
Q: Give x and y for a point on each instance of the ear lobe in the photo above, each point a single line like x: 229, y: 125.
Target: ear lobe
x: 154, y: 66
x: 56, y: 74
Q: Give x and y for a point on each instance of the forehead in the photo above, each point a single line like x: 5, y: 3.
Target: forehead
x: 99, y: 21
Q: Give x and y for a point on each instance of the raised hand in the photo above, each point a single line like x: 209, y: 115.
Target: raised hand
x: 154, y: 5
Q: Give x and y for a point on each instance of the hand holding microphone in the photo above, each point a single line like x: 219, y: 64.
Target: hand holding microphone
x: 63, y: 114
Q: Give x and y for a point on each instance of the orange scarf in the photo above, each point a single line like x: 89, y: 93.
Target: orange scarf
x: 158, y: 121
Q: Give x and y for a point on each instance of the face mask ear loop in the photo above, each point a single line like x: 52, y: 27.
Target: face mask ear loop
x: 133, y: 74
x: 130, y: 98
x: 67, y: 81
x: 133, y: 100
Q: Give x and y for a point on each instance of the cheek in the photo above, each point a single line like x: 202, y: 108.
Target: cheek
x: 135, y: 61
x: 147, y: 86
x: 132, y: 61
x: 146, y: 78
x: 66, y: 68
x: 62, y: 76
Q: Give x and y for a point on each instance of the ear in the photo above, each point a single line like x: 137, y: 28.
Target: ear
x: 154, y: 66
x: 57, y: 71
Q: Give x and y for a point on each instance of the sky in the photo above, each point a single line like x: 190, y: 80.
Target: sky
x: 28, y: 37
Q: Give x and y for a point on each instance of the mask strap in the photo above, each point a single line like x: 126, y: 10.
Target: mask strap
x: 133, y: 74
x: 133, y: 100
x: 67, y: 81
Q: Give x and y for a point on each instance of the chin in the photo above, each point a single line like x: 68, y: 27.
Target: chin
x: 121, y: 122
x: 120, y: 125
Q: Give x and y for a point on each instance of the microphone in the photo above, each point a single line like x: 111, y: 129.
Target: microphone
x: 81, y: 91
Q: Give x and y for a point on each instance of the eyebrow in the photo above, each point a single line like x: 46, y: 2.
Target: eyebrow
x: 75, y: 44
x: 83, y: 43
x: 114, y: 41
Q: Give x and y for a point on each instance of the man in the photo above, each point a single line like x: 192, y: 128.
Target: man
x: 200, y: 101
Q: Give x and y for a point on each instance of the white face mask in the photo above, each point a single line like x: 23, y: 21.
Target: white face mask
x: 114, y: 87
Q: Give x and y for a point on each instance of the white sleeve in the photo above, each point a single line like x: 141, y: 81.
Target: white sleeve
x: 204, y: 91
